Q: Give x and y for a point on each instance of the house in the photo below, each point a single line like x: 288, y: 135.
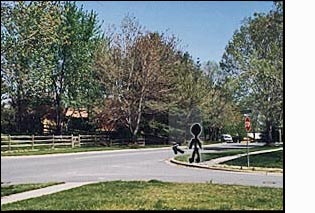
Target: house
x: 73, y: 119
x: 49, y: 119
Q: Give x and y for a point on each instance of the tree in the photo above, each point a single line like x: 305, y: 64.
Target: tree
x: 134, y: 69
x: 47, y: 58
x: 190, y: 88
x: 72, y: 77
x: 26, y: 29
x: 254, y: 59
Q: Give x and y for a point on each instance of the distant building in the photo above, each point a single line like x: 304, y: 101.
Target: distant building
x: 49, y: 123
x: 79, y: 113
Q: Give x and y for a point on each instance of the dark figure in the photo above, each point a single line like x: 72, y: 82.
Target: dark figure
x: 195, y: 130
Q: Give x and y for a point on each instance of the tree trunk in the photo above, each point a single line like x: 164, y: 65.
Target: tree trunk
x: 210, y: 133
x: 19, y: 114
x: 254, y: 135
x: 269, y: 132
x: 58, y: 116
x: 19, y: 104
x: 139, y: 113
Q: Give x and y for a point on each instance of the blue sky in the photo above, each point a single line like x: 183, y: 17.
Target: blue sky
x: 204, y: 27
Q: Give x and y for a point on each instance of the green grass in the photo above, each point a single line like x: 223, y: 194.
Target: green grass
x: 270, y: 160
x: 228, y: 152
x: 13, y: 189
x: 23, y: 152
x: 156, y: 195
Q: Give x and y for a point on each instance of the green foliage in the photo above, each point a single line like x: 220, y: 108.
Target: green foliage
x: 254, y: 61
x: 54, y: 57
x: 25, y: 31
x: 235, y: 129
x: 78, y: 37
x: 46, y: 59
x: 7, y: 119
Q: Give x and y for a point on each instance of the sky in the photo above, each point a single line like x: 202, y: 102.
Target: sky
x: 204, y: 27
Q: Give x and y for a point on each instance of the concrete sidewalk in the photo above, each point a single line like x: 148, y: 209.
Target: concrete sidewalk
x: 41, y: 192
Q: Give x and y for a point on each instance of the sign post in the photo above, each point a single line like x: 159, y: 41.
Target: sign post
x: 247, y: 127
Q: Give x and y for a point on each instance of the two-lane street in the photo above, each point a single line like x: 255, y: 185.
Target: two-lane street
x: 144, y: 164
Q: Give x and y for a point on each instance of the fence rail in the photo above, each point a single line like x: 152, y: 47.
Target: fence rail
x: 10, y: 142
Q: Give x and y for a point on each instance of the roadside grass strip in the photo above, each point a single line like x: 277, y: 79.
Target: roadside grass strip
x: 265, y: 160
x: 156, y: 195
x: 26, y: 152
x: 228, y: 152
x: 271, y: 161
x: 18, y: 188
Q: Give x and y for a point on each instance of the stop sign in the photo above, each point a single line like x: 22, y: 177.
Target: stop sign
x: 247, y: 124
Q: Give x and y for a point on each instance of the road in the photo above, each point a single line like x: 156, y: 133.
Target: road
x: 144, y: 164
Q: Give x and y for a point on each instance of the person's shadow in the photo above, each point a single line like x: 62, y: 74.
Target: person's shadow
x: 195, y: 130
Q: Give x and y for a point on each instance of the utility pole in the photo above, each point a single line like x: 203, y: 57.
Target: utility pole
x: 247, y: 127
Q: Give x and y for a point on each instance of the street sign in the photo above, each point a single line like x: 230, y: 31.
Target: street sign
x: 247, y: 124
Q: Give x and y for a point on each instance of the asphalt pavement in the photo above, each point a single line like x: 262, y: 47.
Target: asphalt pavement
x: 142, y: 164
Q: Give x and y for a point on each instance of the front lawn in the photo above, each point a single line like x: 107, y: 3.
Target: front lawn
x: 156, y: 195
x: 269, y: 160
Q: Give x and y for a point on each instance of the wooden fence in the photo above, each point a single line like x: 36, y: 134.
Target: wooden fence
x: 10, y: 142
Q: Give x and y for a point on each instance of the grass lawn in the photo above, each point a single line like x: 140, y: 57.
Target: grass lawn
x: 156, y: 195
x: 13, y: 189
x: 228, y: 152
x: 70, y: 150
x: 270, y: 160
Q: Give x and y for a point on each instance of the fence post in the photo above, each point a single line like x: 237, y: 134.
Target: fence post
x: 9, y: 137
x: 72, y: 142
x: 53, y: 142
x: 79, y: 140
x: 32, y: 141
x: 94, y: 139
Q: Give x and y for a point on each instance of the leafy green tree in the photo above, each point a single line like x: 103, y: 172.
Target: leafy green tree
x: 26, y: 28
x: 218, y: 108
x: 190, y: 88
x: 73, y: 80
x: 254, y: 59
x: 47, y: 58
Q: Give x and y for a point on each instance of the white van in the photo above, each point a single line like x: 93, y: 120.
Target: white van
x: 226, y: 138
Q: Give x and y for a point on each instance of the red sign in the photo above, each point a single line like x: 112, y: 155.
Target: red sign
x: 247, y: 124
